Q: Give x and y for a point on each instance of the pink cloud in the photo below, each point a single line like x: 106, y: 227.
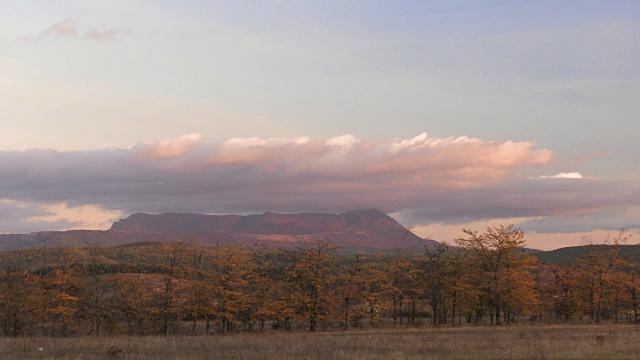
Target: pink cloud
x: 169, y: 148
x: 427, y: 179
x: 587, y: 157
x: 69, y: 28
x: 430, y: 162
x: 106, y: 35
x: 63, y: 28
x: 343, y: 141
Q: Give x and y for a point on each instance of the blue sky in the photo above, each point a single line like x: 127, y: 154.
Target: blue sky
x: 554, y: 82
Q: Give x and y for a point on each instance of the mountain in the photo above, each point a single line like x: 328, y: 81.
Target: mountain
x: 363, y: 230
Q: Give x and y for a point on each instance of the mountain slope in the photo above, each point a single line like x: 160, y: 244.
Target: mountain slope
x: 368, y: 228
x: 570, y: 255
x: 365, y: 230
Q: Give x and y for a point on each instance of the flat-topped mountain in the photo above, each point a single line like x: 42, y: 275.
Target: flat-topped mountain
x: 368, y: 230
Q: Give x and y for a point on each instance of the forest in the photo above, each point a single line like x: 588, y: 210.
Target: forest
x: 180, y: 288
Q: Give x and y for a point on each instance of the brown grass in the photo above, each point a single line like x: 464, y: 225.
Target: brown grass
x: 516, y: 342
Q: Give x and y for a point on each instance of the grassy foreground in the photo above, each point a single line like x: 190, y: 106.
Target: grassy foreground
x: 515, y: 342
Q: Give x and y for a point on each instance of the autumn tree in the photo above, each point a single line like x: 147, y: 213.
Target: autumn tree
x: 434, y: 279
x: 171, y: 276
x: 351, y: 288
x: 446, y: 284
x: 97, y: 288
x: 398, y: 280
x: 60, y: 290
x: 617, y: 294
x: 266, y: 288
x: 559, y: 292
x: 632, y: 287
x: 231, y: 266
x: 597, y: 265
x: 373, y: 294
x: 460, y: 289
x: 131, y: 301
x: 502, y: 268
x: 19, y: 292
x: 198, y: 303
x: 312, y: 278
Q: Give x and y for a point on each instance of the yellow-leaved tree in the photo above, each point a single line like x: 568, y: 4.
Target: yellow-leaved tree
x: 312, y: 278
x: 504, y: 270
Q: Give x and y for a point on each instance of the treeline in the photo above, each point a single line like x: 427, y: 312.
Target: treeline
x: 485, y: 278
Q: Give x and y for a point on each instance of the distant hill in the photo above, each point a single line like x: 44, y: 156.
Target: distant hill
x: 367, y: 230
x: 569, y: 255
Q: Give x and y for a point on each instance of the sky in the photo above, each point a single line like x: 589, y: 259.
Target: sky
x: 444, y: 114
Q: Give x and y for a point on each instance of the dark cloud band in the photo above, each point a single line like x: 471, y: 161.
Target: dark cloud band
x: 427, y: 179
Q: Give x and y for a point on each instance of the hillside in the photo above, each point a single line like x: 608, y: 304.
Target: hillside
x: 569, y: 255
x: 366, y: 230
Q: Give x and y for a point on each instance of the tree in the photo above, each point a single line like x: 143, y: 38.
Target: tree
x: 398, y: 279
x: 61, y: 289
x: 198, y: 302
x: 459, y: 288
x: 130, y: 301
x: 97, y: 288
x: 559, y: 291
x: 229, y: 285
x: 632, y: 289
x: 351, y: 285
x: 266, y: 288
x: 168, y: 307
x: 446, y: 278
x: 313, y: 278
x: 597, y: 264
x: 502, y: 267
x: 19, y: 291
x: 434, y: 277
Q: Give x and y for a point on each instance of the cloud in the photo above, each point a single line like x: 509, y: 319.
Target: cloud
x: 168, y: 148
x: 63, y: 28
x: 344, y: 141
x: 620, y: 218
x: 425, y: 179
x: 69, y: 28
x: 23, y: 217
x: 564, y: 175
x: 587, y: 157
x: 98, y: 35
x: 526, y: 198
x: 80, y: 217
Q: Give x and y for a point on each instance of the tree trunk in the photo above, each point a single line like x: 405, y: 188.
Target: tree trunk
x: 395, y: 310
x: 346, y: 313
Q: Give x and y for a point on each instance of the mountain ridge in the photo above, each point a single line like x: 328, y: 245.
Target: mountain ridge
x: 366, y: 229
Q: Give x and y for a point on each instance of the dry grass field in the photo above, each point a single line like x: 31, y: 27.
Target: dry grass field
x: 514, y: 342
